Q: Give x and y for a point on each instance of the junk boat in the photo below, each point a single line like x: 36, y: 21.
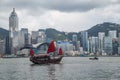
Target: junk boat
x: 37, y: 56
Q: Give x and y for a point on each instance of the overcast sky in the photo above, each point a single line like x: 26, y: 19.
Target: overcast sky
x: 63, y: 15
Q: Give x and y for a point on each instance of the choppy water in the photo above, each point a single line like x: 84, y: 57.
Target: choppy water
x: 71, y: 68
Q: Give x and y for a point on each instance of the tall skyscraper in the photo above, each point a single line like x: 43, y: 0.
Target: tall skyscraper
x: 94, y: 44
x: 101, y: 36
x: 108, y: 45
x: 84, y: 40
x: 24, y: 37
x: 35, y: 35
x: 13, y: 22
x: 74, y: 39
x: 13, y: 32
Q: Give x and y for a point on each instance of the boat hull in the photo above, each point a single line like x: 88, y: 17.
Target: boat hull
x: 45, y: 59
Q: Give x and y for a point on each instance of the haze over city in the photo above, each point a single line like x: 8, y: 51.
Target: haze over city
x: 63, y: 15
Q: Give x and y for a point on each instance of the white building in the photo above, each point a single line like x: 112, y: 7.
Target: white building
x: 13, y: 32
x: 29, y: 39
x: 94, y: 44
x: 41, y: 36
x: 13, y: 21
x: 101, y: 36
x: 74, y: 37
x: 90, y: 44
x: 108, y: 45
x: 75, y: 41
x: 112, y: 34
x: 66, y: 46
x: 78, y: 45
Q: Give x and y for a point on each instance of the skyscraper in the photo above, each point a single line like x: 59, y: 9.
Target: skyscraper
x: 24, y: 37
x: 84, y: 40
x: 13, y: 31
x: 74, y: 39
x: 108, y: 45
x: 101, y: 36
x: 94, y: 41
x: 35, y: 35
x: 13, y: 22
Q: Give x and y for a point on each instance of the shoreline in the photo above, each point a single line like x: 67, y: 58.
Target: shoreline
x: 63, y: 56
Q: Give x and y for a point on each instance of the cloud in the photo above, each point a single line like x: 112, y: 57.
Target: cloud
x: 63, y: 15
x: 60, y: 5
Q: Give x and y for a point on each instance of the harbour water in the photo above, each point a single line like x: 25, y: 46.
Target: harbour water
x: 71, y: 68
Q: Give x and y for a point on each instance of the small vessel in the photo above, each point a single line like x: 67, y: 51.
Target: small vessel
x: 95, y: 58
x: 51, y: 56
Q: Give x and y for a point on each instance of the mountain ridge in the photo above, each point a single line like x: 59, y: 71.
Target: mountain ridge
x: 60, y: 35
x: 104, y: 27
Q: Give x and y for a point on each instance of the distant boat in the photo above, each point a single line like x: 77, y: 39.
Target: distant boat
x: 51, y: 56
x: 94, y: 58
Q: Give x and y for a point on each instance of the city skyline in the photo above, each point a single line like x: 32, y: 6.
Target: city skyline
x: 76, y: 15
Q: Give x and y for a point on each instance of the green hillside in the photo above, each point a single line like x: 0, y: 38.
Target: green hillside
x: 105, y: 27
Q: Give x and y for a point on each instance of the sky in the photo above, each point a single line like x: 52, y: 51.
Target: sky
x: 62, y: 15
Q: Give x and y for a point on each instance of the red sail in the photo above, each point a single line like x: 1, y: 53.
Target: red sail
x: 60, y: 51
x: 31, y: 52
x: 51, y: 48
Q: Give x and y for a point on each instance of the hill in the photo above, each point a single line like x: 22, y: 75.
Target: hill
x: 55, y: 34
x: 93, y: 31
x: 104, y: 27
x: 58, y: 35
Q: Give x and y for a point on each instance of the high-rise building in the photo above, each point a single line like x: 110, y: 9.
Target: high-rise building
x: 41, y: 36
x: 29, y: 39
x: 119, y: 40
x: 90, y: 45
x: 84, y: 40
x: 94, y: 43
x: 115, y: 45
x: 118, y: 35
x: 2, y: 47
x: 108, y: 45
x: 7, y: 45
x: 66, y: 46
x: 24, y: 36
x: 74, y: 39
x: 13, y: 32
x: 35, y: 36
x: 13, y: 23
x: 112, y: 34
x: 78, y: 45
x: 101, y: 36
